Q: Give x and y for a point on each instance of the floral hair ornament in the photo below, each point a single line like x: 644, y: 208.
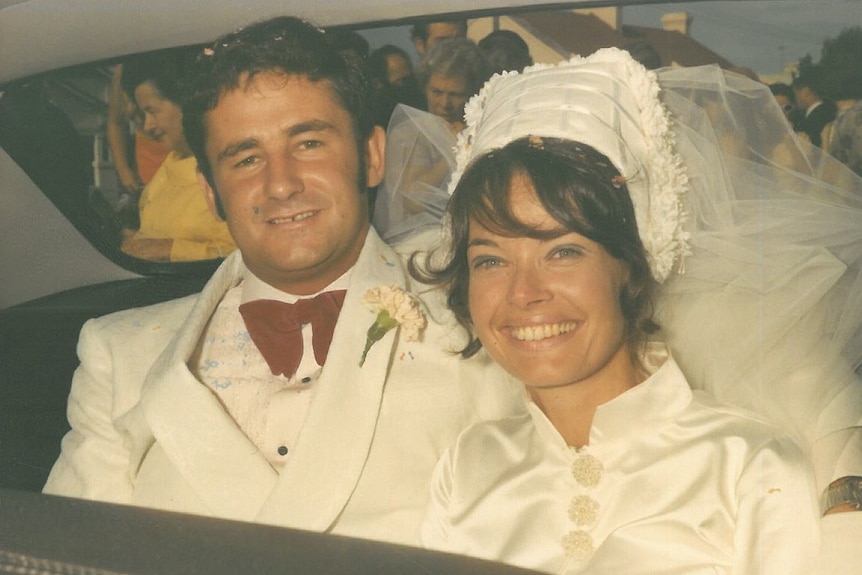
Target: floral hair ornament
x: 609, y: 102
x: 394, y: 307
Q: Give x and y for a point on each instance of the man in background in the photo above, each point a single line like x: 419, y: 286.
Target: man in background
x: 817, y: 112
x: 426, y: 34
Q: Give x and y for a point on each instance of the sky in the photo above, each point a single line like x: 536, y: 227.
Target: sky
x: 759, y: 34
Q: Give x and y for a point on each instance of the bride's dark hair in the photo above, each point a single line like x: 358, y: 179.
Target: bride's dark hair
x: 579, y: 188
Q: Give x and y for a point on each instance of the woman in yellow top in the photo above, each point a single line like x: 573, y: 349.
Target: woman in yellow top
x: 176, y: 224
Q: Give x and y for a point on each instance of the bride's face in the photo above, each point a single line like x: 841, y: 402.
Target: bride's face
x: 548, y: 311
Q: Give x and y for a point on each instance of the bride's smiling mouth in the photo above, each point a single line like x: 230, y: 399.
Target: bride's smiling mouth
x: 543, y: 331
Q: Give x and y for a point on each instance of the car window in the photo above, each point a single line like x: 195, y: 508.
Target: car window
x: 78, y: 137
x: 58, y: 126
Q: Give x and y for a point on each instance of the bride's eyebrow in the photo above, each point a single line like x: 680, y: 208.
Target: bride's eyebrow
x: 478, y: 242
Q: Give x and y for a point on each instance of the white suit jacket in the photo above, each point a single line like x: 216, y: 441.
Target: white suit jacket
x: 146, y: 432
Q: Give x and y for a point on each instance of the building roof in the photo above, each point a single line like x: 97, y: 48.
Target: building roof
x: 570, y: 33
x: 675, y: 48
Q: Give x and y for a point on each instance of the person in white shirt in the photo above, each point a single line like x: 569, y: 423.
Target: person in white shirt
x: 233, y: 403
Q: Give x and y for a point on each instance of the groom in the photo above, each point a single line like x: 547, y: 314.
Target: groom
x: 207, y: 404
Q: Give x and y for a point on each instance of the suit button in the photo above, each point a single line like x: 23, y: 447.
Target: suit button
x: 282, y: 450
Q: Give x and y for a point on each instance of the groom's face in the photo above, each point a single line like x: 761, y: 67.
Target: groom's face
x: 286, y: 169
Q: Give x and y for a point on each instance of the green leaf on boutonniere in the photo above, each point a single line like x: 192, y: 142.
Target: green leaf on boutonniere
x: 395, y: 307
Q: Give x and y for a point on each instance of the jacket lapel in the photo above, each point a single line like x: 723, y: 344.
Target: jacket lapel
x: 224, y: 467
x: 220, y: 463
x: 332, y: 448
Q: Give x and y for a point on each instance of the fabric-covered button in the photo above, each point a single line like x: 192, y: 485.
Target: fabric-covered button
x: 583, y: 510
x: 578, y: 545
x: 587, y: 470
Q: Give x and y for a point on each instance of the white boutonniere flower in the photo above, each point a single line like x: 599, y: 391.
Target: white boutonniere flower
x: 394, y: 307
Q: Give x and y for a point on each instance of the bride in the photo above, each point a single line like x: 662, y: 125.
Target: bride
x: 572, y: 187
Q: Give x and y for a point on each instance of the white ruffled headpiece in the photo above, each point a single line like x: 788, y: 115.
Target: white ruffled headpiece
x: 607, y: 101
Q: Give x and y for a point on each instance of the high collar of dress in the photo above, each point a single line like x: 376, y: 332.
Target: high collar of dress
x: 646, y: 406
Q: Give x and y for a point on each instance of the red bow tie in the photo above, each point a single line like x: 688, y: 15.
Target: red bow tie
x: 275, y: 328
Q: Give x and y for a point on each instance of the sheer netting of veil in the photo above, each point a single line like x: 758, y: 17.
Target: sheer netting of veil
x: 420, y: 159
x: 766, y: 310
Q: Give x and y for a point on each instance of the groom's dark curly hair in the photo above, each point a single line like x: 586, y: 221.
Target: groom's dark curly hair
x: 284, y: 45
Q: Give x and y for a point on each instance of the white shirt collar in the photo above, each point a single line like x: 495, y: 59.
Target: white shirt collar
x: 254, y: 288
x: 812, y: 107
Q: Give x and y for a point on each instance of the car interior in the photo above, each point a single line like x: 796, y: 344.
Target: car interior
x: 60, y: 260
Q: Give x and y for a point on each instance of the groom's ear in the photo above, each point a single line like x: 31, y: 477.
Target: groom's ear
x: 211, y: 196
x: 375, y: 157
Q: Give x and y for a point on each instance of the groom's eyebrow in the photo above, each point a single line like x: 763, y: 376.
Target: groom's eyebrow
x: 233, y: 149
